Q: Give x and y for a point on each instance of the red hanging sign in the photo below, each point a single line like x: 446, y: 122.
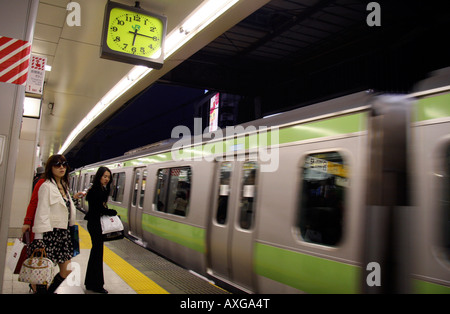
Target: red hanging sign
x: 14, y: 60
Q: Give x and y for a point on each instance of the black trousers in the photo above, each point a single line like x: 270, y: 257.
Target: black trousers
x: 94, y: 273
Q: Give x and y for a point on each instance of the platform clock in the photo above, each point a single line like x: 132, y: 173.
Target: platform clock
x: 133, y: 35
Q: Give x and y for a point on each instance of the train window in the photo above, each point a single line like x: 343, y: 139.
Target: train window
x: 117, y: 187
x: 322, y: 198
x: 85, y: 182
x: 80, y: 179
x: 144, y: 181
x: 136, y: 186
x: 248, y: 195
x: 224, y: 192
x: 445, y: 205
x: 173, y: 189
x: 72, y: 183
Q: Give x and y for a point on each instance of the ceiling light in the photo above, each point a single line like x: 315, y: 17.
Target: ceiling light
x: 200, y: 18
x: 32, y: 107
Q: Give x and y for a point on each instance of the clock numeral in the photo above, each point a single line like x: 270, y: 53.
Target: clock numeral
x: 128, y: 18
x: 114, y: 29
x: 152, y: 28
x: 133, y: 50
x: 125, y: 46
x: 120, y: 22
x: 117, y: 39
x: 137, y: 18
x: 143, y: 50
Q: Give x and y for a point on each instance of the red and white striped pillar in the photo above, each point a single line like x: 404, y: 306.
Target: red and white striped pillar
x: 14, y: 60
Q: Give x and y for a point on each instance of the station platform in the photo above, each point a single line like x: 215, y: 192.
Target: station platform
x: 128, y: 269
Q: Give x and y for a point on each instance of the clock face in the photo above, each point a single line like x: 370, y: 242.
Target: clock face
x: 134, y: 33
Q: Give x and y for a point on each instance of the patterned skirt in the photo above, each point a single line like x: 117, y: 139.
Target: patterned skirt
x: 57, y: 243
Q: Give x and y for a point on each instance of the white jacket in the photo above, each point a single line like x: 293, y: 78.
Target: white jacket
x: 51, y: 211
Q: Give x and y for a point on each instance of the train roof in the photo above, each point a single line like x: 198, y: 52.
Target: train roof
x: 348, y: 103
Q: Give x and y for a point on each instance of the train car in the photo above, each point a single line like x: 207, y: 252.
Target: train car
x: 344, y: 196
x: 430, y: 172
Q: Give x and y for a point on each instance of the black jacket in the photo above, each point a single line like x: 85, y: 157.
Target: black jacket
x: 97, y: 197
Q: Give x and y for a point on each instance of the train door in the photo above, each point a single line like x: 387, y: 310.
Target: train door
x: 231, y: 225
x: 137, y: 202
x: 431, y: 193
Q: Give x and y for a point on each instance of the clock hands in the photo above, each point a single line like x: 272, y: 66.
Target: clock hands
x: 136, y: 33
x: 136, y: 28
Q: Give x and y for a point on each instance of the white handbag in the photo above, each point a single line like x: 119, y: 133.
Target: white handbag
x: 112, y: 228
x: 111, y: 224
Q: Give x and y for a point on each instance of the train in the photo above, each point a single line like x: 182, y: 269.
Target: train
x: 349, y: 195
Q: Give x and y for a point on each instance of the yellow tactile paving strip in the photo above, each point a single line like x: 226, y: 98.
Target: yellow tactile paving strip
x: 133, y: 277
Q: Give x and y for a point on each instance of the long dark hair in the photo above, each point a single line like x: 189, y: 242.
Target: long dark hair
x: 96, y: 184
x: 48, y: 174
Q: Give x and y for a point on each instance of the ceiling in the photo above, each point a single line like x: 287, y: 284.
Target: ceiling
x: 80, y: 78
x: 294, y: 51
x: 276, y: 55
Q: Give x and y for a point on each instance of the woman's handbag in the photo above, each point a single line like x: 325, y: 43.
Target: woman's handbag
x: 112, y: 228
x: 37, y: 270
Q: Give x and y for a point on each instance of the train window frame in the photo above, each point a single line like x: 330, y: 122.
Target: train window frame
x: 248, y: 191
x: 134, y: 196
x: 85, y: 183
x: 72, y: 183
x: 223, y: 194
x: 143, y: 186
x: 300, y: 220
x: 117, y: 195
x: 168, y: 196
x: 79, y: 181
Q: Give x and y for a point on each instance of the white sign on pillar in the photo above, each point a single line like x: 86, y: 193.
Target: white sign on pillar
x: 36, y: 75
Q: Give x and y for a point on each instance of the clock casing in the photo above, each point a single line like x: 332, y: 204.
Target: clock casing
x: 133, y: 35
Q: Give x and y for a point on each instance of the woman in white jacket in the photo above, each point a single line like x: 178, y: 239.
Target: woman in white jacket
x: 54, y: 213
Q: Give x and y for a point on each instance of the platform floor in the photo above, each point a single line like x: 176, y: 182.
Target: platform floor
x: 128, y: 269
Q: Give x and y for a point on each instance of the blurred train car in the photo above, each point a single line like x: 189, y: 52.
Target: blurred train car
x: 349, y: 195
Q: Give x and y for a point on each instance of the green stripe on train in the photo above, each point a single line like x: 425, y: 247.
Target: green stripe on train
x: 121, y: 211
x: 186, y: 235
x: 305, y: 272
x: 425, y: 287
x: 333, y: 126
x: 432, y: 108
x: 323, y: 128
x: 318, y: 275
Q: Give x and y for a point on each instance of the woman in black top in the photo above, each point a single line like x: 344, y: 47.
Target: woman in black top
x: 97, y: 198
